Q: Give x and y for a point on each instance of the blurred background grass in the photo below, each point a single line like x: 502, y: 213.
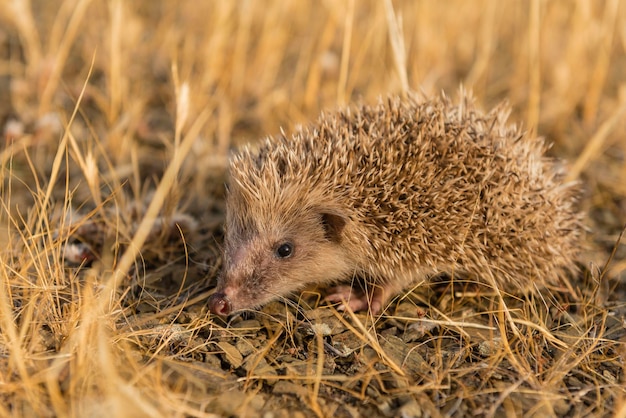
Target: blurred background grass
x: 99, y: 98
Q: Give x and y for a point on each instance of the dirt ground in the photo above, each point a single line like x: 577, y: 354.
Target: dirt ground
x: 118, y: 118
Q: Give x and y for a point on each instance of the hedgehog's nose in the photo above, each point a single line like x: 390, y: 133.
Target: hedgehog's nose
x: 219, y: 304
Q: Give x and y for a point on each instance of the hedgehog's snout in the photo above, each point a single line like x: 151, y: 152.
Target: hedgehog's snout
x: 219, y: 304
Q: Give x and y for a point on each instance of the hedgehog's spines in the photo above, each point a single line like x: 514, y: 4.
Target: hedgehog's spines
x: 419, y: 186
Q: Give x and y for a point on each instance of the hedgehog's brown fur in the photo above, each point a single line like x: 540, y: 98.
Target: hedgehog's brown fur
x: 394, y: 193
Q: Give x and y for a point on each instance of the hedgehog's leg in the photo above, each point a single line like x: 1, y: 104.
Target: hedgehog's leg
x: 357, y: 299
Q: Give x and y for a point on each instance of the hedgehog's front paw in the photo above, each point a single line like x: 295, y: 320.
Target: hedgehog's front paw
x: 355, y: 299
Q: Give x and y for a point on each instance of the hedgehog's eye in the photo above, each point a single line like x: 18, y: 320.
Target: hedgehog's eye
x: 284, y: 250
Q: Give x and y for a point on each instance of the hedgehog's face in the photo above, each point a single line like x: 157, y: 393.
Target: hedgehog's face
x: 270, y: 256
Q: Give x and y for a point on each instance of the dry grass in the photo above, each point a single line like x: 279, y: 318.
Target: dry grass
x: 118, y: 117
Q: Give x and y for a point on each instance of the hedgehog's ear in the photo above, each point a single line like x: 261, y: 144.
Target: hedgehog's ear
x: 333, y: 224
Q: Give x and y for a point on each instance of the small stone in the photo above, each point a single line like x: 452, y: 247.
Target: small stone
x: 574, y: 383
x: 244, y: 346
x: 368, y: 354
x: 284, y: 387
x: 422, y: 327
x: 320, y: 329
x: 411, y: 409
x: 212, y: 360
x: 259, y: 367
x: 228, y: 402
x: 346, y: 343
x: 249, y: 324
x: 488, y: 348
x: 333, y: 324
x: 561, y: 406
x: 402, y: 355
x: 231, y: 354
x: 389, y: 332
x: 385, y: 407
x: 13, y: 128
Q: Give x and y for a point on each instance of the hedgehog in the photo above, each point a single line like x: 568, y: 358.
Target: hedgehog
x: 394, y: 194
